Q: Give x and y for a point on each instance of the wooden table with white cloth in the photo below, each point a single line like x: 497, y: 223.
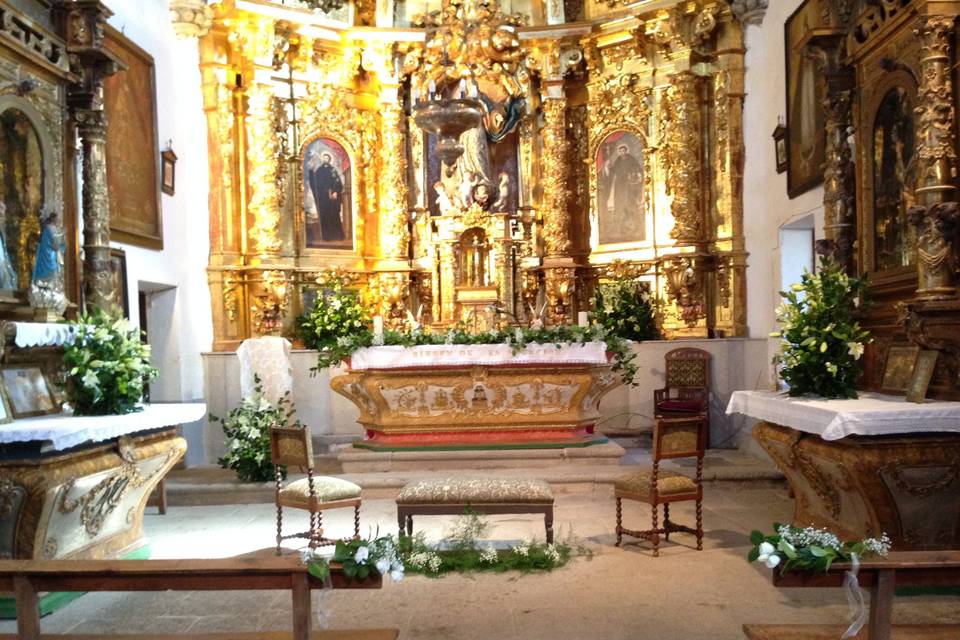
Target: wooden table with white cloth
x: 865, y: 466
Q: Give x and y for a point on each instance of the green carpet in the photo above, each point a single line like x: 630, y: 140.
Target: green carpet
x: 50, y: 602
x: 483, y: 447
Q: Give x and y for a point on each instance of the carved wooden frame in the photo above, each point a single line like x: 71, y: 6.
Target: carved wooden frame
x: 301, y: 223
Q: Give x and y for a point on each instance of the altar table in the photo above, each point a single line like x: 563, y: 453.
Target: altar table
x: 478, y: 396
x: 76, y: 487
x: 876, y: 464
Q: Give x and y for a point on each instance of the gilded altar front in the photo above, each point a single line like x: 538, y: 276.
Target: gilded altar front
x: 611, y: 144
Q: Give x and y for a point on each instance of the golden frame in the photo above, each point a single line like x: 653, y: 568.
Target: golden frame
x: 41, y: 404
x: 301, y: 224
x: 922, y: 374
x: 898, y: 368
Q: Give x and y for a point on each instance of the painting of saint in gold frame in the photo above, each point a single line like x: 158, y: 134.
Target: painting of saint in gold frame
x: 806, y: 133
x: 620, y: 184
x: 327, y: 195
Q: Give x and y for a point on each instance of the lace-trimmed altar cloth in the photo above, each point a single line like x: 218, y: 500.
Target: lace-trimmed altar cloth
x: 64, y: 431
x: 269, y: 358
x: 452, y: 355
x: 42, y: 334
x: 872, y: 414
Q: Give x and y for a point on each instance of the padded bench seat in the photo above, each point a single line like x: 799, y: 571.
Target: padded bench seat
x: 453, y: 496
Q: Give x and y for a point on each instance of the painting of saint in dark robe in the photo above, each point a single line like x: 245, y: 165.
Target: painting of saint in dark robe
x: 327, y: 204
x: 620, y: 211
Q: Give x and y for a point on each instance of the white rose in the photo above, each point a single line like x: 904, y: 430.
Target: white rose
x: 383, y: 565
x: 397, y: 573
x: 361, y: 555
x: 766, y: 549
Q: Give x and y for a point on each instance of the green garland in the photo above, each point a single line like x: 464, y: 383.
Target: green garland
x: 336, y: 352
x: 809, y: 549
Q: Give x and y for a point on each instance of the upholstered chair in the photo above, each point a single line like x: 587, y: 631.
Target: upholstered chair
x: 686, y: 390
x: 672, y: 438
x: 291, y: 446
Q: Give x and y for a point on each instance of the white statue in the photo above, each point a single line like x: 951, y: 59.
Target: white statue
x: 8, y: 276
x: 444, y: 204
x: 503, y: 193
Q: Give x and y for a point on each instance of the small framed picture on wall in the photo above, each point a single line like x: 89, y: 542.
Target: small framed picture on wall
x: 780, y: 146
x: 168, y: 171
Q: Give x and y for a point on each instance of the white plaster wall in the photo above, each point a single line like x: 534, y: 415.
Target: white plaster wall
x: 766, y: 205
x: 180, y: 317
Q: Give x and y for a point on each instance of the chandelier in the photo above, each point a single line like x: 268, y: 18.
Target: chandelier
x: 447, y: 84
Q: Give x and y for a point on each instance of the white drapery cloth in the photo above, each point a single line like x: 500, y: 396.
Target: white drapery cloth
x: 872, y: 414
x: 451, y: 355
x: 269, y: 358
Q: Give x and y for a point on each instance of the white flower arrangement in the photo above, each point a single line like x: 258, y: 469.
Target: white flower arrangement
x: 810, y: 548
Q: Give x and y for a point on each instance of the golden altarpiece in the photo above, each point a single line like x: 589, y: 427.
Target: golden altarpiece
x: 611, y: 145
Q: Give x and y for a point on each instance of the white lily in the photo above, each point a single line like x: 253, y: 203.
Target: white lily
x: 90, y: 380
x: 768, y: 555
x: 361, y: 555
x: 772, y: 561
x: 855, y: 349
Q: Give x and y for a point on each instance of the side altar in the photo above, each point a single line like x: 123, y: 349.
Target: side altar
x: 876, y: 464
x: 478, y: 396
x: 76, y: 487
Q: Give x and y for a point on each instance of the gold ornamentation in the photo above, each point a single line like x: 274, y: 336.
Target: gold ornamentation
x: 229, y: 293
x: 680, y: 131
x: 263, y: 169
x: 560, y: 286
x: 686, y: 286
x: 394, y: 212
x: 391, y: 291
x: 556, y: 223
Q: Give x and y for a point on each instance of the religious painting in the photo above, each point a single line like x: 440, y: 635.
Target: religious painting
x: 898, y: 367
x: 327, y: 195
x: 620, y: 207
x: 21, y: 198
x: 894, y: 180
x: 168, y: 175
x: 133, y: 180
x: 27, y: 391
x: 806, y: 134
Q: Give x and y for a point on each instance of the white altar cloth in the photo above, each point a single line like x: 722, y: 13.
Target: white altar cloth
x: 872, y: 414
x: 64, y: 431
x: 42, y: 334
x: 452, y: 355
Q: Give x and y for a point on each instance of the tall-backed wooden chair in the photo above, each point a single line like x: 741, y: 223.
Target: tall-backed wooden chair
x: 672, y: 438
x: 292, y: 447
x: 686, y: 390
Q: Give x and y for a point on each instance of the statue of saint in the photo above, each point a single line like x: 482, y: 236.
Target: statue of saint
x: 8, y: 276
x: 326, y: 187
x: 46, y: 290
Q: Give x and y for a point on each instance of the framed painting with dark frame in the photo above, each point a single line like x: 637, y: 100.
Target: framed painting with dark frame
x: 168, y: 172
x: 806, y: 134
x: 27, y: 390
x: 898, y: 368
x: 133, y: 171
x: 118, y: 275
x: 922, y: 374
x: 780, y: 147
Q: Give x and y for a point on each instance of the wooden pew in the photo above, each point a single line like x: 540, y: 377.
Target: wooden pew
x: 26, y: 578
x: 881, y: 575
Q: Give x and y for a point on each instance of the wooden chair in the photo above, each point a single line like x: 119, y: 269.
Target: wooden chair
x: 687, y: 386
x: 291, y: 446
x: 672, y: 438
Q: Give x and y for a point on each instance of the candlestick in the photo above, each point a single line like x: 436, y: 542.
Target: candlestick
x: 582, y: 318
x: 378, y: 330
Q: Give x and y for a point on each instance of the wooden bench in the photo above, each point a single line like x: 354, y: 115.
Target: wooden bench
x: 25, y: 578
x: 882, y: 575
x: 454, y: 496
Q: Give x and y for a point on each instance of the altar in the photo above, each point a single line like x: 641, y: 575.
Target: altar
x: 876, y: 464
x: 478, y: 396
x: 76, y: 487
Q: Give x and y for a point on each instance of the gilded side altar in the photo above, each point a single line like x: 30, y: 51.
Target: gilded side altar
x: 595, y: 159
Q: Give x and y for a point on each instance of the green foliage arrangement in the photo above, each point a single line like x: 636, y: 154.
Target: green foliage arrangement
x: 336, y: 314
x: 107, y: 365
x: 247, y: 431
x: 626, y: 309
x: 359, y: 558
x: 462, y: 551
x: 822, y: 340
x: 809, y: 549
x: 518, y: 338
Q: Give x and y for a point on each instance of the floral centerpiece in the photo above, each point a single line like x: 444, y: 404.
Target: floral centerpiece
x: 337, y: 314
x: 359, y: 559
x: 822, y: 340
x: 247, y: 431
x: 626, y: 309
x: 107, y: 365
x: 809, y: 548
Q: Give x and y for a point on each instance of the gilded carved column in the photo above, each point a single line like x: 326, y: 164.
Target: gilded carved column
x: 936, y: 213
x: 263, y: 170
x: 97, y: 277
x: 394, y: 214
x: 682, y: 157
x: 556, y: 219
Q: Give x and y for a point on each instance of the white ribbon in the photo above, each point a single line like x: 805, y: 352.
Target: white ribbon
x: 858, y: 609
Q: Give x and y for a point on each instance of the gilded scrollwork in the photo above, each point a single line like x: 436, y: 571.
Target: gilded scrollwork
x: 556, y: 223
x: 394, y: 208
x: 263, y: 158
x: 680, y: 135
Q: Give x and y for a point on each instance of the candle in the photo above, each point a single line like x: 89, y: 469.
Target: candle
x: 378, y: 330
x: 582, y: 318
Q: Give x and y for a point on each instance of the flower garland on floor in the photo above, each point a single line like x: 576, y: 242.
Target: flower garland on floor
x: 810, y: 549
x: 463, y: 550
x: 822, y: 340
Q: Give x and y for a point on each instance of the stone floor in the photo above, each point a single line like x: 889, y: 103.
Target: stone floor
x: 619, y: 593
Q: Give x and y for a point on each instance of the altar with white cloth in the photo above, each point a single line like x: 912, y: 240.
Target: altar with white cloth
x: 484, y: 395
x: 76, y: 487
x: 866, y: 466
